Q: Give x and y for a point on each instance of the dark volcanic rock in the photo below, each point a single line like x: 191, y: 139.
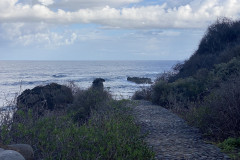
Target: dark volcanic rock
x: 98, y: 83
x: 49, y: 97
x: 139, y: 80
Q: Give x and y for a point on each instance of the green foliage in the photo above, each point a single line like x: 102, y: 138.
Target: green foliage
x: 223, y: 117
x: 217, y: 114
x: 4, y: 134
x: 219, y: 36
x: 219, y: 45
x: 161, y: 92
x: 180, y: 91
x: 230, y: 144
x: 144, y: 93
x: 205, y: 89
x: 87, y: 100
x: 225, y: 71
x: 232, y: 147
x: 109, y: 133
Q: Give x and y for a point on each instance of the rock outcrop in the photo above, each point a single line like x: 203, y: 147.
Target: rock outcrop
x: 98, y: 83
x: 10, y: 155
x: 24, y: 149
x: 139, y: 80
x: 41, y: 98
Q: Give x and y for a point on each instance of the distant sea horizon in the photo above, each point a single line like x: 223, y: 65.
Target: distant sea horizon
x: 18, y: 75
x: 85, y: 60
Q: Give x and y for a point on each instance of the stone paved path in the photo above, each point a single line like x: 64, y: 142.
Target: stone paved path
x: 170, y: 137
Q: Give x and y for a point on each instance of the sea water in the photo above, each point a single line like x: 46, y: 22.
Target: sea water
x: 16, y: 76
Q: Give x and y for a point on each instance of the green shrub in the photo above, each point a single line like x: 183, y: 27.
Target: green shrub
x: 161, y: 91
x: 87, y: 100
x: 110, y: 133
x: 180, y: 91
x: 219, y: 36
x: 232, y: 147
x: 218, y: 114
x: 209, y: 98
x: 144, y: 93
x: 225, y: 71
x: 230, y: 144
x: 219, y: 45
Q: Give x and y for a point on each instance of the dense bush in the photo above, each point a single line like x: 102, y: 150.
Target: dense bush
x: 205, y: 89
x: 218, y: 115
x: 144, y: 93
x: 219, y: 36
x: 219, y: 45
x: 87, y: 100
x: 232, y: 147
x: 183, y: 90
x: 225, y: 71
x: 209, y: 100
x: 231, y: 143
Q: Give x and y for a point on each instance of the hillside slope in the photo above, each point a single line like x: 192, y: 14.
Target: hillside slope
x: 205, y: 89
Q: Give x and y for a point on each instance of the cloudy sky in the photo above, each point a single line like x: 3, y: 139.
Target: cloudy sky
x: 107, y: 29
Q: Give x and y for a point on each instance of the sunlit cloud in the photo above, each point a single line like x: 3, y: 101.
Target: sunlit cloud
x: 146, y: 26
x: 197, y: 14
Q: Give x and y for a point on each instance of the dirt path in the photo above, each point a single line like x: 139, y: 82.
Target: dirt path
x: 170, y: 137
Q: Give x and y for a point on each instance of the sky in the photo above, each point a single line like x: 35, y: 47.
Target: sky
x: 107, y: 29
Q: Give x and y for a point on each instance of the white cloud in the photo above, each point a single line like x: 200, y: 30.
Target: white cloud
x: 196, y: 14
x: 72, y: 39
x: 37, y: 35
x: 80, y: 4
x: 46, y: 2
x: 30, y: 24
x: 45, y: 35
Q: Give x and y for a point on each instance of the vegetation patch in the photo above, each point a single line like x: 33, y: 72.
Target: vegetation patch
x: 204, y: 90
x: 94, y: 126
x: 232, y: 147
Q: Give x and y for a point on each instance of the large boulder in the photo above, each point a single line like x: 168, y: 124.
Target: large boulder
x: 41, y: 98
x: 25, y: 150
x: 10, y: 155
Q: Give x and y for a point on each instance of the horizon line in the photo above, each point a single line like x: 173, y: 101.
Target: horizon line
x: 91, y: 60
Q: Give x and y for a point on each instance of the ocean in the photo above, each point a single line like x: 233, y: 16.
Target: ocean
x: 16, y: 76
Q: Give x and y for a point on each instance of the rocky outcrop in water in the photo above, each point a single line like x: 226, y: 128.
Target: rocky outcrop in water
x: 98, y: 83
x: 139, y: 80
